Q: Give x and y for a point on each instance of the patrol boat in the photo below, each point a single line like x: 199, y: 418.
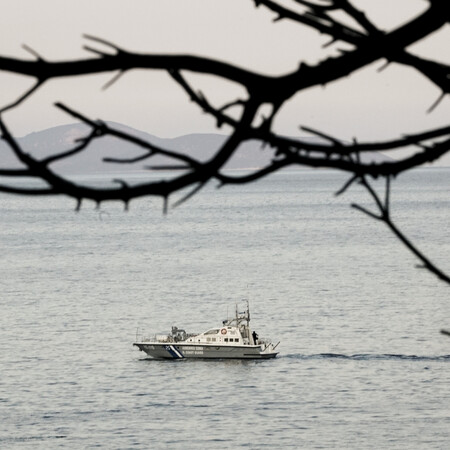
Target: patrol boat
x: 233, y: 340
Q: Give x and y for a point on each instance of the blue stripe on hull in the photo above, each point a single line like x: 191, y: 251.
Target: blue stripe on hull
x: 174, y: 352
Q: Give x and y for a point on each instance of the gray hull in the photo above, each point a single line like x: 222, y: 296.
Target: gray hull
x: 182, y: 350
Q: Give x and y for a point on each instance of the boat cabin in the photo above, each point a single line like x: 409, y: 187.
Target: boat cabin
x: 225, y: 335
x: 235, y: 331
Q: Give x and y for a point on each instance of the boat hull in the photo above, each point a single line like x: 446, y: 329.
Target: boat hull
x: 202, y: 351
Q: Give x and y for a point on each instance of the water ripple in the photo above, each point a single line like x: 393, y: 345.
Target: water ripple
x: 369, y: 357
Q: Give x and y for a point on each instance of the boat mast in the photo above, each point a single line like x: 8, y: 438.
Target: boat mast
x: 248, y: 314
x: 249, y: 332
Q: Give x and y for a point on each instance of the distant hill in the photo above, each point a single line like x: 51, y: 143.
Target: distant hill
x: 199, y: 146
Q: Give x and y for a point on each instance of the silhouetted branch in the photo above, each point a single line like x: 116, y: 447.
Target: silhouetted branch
x: 347, y: 184
x: 384, y: 216
x: 23, y: 97
x: 101, y: 129
x: 253, y: 176
x: 335, y: 153
x: 339, y: 21
x: 200, y: 100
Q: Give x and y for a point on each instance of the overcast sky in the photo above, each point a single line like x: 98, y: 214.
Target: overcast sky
x: 369, y: 104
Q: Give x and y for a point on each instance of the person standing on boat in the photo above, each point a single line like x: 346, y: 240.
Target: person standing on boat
x: 255, y: 337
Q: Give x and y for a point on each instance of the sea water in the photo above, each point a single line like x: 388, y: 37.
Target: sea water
x: 362, y: 364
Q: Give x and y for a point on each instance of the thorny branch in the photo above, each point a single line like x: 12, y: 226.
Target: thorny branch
x: 384, y: 216
x: 339, y: 20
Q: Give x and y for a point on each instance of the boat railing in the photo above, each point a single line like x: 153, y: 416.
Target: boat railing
x: 142, y: 336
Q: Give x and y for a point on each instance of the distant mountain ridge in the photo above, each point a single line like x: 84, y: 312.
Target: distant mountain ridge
x: 199, y: 146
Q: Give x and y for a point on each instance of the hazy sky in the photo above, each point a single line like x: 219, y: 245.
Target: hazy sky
x: 370, y: 104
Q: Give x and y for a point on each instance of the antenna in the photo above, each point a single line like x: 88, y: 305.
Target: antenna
x: 248, y: 312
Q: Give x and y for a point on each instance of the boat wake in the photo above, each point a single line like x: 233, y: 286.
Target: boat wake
x: 369, y: 357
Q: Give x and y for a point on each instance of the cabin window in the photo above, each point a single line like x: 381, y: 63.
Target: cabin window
x: 208, y: 339
x: 226, y: 339
x: 236, y: 340
x: 214, y: 331
x: 213, y: 339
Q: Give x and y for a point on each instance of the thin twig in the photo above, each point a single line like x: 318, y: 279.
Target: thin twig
x: 385, y: 217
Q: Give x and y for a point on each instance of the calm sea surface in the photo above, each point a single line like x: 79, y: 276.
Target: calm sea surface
x: 362, y: 362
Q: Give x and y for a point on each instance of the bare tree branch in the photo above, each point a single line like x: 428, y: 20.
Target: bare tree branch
x: 339, y: 21
x: 384, y: 216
